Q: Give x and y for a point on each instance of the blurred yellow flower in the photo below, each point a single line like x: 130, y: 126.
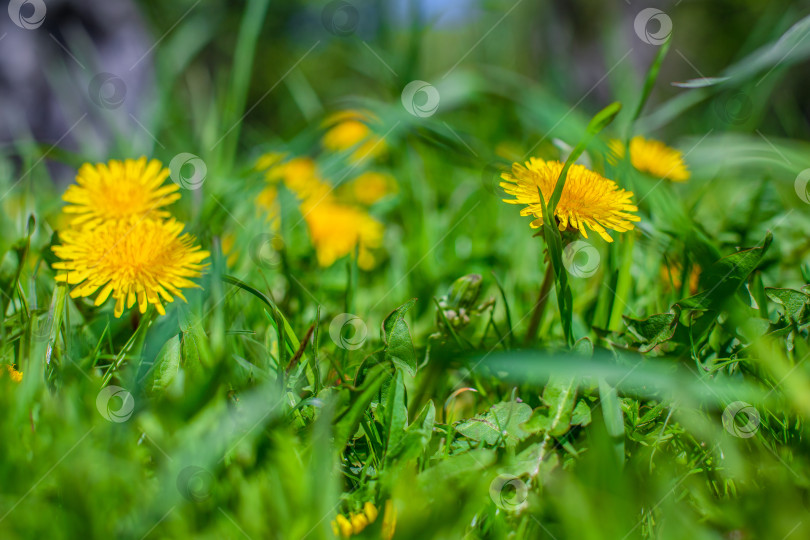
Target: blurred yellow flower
x: 118, y: 190
x: 350, y: 130
x: 15, y: 375
x: 300, y: 175
x: 672, y: 277
x: 370, y: 187
x: 356, y: 522
x: 267, y: 161
x: 267, y: 202
x: 588, y: 199
x: 135, y: 259
x: 231, y: 254
x: 338, y: 229
x: 371, y: 511
x: 389, y: 524
x: 652, y: 157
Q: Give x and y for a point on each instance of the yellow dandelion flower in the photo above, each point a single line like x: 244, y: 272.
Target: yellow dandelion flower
x: 137, y: 259
x: 652, y: 157
x: 342, y: 526
x: 119, y: 190
x: 370, y: 187
x: 356, y: 522
x: 588, y: 199
x: 337, y: 229
x: 359, y: 522
x: 351, y: 130
x: 15, y: 375
x: 371, y: 511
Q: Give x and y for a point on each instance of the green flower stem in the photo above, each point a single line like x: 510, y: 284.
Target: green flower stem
x: 540, y: 306
x: 623, y: 285
x: 135, y: 342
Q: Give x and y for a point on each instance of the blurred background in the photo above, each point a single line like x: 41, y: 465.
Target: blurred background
x: 94, y: 80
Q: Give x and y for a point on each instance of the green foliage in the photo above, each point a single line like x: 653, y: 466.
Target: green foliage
x: 667, y: 396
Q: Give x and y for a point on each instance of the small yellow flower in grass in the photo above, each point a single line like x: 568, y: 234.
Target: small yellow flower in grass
x: 15, y: 375
x: 652, y: 157
x: 118, y: 190
x: 350, y: 130
x: 342, y: 527
x: 672, y: 276
x: 370, y: 187
x: 371, y: 511
x: 356, y: 522
x: 143, y: 260
x: 588, y: 199
x: 229, y: 249
x: 337, y: 229
x: 300, y: 175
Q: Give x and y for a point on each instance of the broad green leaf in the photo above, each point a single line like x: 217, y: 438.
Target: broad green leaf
x: 396, y: 411
x: 359, y: 401
x: 724, y: 277
x: 581, y: 415
x: 502, y: 421
x: 194, y: 341
x: 166, y: 365
x: 794, y: 302
x: 397, y: 339
x: 416, y: 437
x: 459, y: 467
x: 554, y: 418
x: 584, y: 347
x: 534, y: 460
x: 653, y: 330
